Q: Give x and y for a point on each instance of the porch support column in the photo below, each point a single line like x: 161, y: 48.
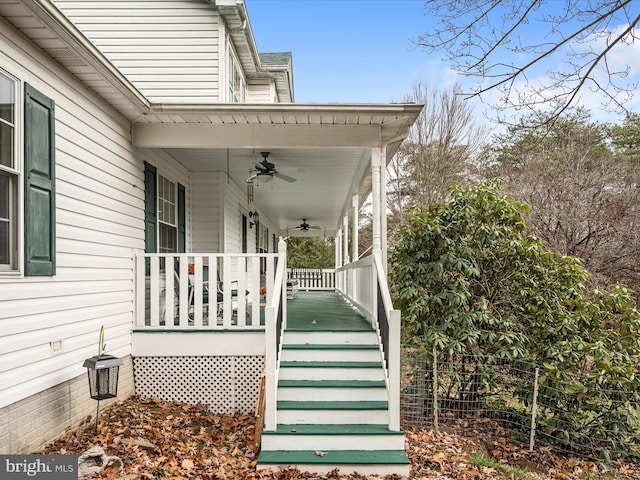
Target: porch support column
x: 338, y: 249
x: 376, y: 166
x: 354, y: 229
x: 345, y: 239
x: 383, y: 208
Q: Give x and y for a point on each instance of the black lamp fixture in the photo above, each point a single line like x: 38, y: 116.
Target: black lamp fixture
x: 102, y: 371
x: 253, y: 218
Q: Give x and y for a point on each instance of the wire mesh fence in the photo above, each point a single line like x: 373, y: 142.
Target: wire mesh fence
x: 536, y: 407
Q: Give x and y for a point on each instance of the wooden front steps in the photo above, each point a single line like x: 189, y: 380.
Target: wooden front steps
x: 332, y: 408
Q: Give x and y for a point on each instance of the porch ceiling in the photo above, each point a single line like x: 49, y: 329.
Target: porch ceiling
x: 327, y: 148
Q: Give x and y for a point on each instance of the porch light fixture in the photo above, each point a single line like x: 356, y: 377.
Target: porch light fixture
x: 254, y: 217
x: 265, y: 177
x: 102, y: 372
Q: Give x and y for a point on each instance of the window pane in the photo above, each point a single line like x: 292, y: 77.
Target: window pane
x: 166, y: 201
x: 7, y: 99
x: 5, y: 221
x: 5, y: 257
x: 6, y: 145
x: 161, y: 209
x: 168, y: 239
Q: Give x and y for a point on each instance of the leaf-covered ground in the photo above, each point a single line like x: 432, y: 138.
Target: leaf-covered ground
x: 171, y: 440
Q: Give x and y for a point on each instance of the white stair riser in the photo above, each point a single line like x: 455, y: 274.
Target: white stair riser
x: 332, y: 394
x: 332, y: 442
x: 313, y: 373
x: 320, y: 417
x: 326, y: 338
x: 331, y: 356
x: 325, y: 468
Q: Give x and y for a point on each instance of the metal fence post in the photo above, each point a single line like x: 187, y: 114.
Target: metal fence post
x: 435, y: 390
x: 534, y: 409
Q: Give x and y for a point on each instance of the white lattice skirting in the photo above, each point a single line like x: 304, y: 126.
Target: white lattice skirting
x: 227, y: 384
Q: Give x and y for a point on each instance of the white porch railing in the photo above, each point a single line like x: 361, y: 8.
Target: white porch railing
x: 313, y: 278
x: 202, y: 290
x: 364, y: 283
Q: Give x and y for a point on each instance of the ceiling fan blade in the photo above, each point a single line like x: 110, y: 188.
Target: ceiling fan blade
x: 315, y: 228
x: 261, y: 167
x: 252, y: 178
x: 286, y: 178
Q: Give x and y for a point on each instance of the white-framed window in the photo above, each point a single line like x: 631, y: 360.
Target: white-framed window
x: 237, y: 84
x: 9, y: 175
x: 167, y: 216
x: 27, y: 179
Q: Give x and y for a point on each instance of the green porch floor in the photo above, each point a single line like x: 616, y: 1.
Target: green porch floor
x: 324, y: 312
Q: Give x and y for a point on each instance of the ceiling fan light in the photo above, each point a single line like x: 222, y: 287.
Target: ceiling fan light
x: 265, y: 177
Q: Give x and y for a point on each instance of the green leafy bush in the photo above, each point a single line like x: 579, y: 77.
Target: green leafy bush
x: 472, y: 283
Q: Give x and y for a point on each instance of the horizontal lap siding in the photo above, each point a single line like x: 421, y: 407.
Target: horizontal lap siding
x: 99, y: 224
x: 235, y: 204
x: 206, y: 200
x: 168, y: 49
x: 259, y: 92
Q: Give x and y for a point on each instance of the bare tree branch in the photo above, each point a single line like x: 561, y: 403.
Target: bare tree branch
x: 477, y: 37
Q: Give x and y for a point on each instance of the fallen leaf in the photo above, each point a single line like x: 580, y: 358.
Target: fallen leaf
x: 319, y: 453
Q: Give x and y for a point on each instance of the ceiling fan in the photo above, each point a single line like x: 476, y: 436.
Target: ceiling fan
x: 265, y: 171
x: 305, y: 227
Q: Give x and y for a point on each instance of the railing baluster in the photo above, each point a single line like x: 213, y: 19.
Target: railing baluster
x: 242, y: 288
x: 227, y: 310
x: 154, y: 292
x: 213, y: 291
x: 183, y: 272
x: 254, y: 291
x: 197, y: 288
x: 169, y: 292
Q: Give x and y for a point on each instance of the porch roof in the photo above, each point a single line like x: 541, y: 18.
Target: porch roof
x: 326, y: 147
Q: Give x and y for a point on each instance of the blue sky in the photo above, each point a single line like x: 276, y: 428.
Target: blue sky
x: 361, y: 51
x: 346, y: 50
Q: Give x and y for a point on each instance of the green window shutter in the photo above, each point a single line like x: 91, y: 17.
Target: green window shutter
x: 182, y: 236
x: 40, y: 187
x: 150, y: 209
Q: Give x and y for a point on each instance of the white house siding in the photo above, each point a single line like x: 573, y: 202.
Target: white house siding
x: 99, y: 199
x: 261, y: 91
x: 206, y: 195
x: 170, y: 50
x: 235, y: 204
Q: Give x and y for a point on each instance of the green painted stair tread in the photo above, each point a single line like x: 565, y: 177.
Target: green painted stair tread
x: 329, y: 327
x: 332, y: 405
x: 324, y: 311
x: 333, y: 429
x: 293, y: 364
x: 334, y: 457
x: 332, y: 384
x: 330, y: 346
